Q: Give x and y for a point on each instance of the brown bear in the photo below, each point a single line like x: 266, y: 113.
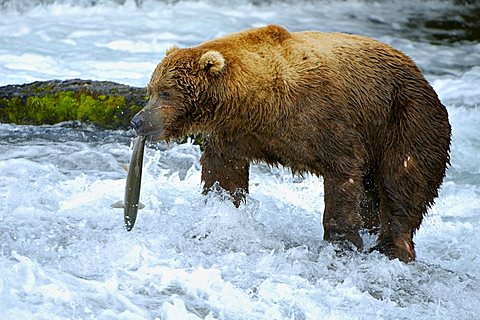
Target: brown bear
x: 351, y: 109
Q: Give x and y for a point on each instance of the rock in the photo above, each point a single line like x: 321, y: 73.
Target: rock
x: 105, y: 104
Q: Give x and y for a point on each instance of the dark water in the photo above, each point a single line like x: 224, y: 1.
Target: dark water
x: 437, y: 21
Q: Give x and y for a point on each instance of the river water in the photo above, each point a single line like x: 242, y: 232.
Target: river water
x: 64, y: 253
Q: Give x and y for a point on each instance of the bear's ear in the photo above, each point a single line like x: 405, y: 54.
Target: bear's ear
x: 212, y: 61
x: 171, y: 50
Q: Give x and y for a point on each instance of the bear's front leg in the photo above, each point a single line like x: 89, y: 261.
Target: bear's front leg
x: 341, y: 219
x: 230, y: 173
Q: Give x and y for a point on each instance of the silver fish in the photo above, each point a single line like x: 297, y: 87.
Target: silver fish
x: 131, y: 203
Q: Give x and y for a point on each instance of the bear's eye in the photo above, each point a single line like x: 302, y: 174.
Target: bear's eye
x: 165, y: 95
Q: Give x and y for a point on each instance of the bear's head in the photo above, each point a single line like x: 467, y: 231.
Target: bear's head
x: 183, y: 94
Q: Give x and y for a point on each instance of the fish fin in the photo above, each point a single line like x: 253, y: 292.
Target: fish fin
x: 118, y: 205
x: 125, y: 166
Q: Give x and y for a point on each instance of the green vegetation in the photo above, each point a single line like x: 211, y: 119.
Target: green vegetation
x: 102, y: 110
x: 107, y: 105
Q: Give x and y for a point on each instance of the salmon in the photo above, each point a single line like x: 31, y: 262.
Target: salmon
x: 131, y: 203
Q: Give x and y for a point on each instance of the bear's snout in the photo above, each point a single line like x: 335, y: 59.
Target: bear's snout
x: 138, y: 120
x: 148, y: 122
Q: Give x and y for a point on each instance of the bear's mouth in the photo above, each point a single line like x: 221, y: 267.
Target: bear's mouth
x: 155, y: 135
x: 147, y: 123
x: 152, y: 135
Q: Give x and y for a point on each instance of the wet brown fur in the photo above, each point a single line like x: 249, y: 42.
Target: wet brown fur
x: 346, y: 107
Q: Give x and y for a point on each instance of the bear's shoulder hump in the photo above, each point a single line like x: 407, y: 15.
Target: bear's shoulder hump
x: 276, y: 33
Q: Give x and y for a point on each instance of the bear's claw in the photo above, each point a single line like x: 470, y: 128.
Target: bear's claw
x: 399, y: 248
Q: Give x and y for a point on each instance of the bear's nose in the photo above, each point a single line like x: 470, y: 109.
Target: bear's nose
x: 138, y: 120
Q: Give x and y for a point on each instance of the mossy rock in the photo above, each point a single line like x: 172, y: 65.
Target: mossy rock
x: 105, y: 104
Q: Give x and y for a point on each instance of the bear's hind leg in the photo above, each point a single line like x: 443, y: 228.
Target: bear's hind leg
x: 402, y: 206
x: 341, y: 219
x: 396, y: 234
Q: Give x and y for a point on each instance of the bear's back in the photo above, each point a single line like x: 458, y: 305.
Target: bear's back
x: 272, y: 48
